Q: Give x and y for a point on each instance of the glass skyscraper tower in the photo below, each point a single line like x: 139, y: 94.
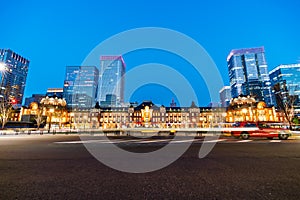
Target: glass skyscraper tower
x: 81, y: 86
x: 225, y: 96
x: 288, y: 78
x: 111, y: 79
x: 248, y: 74
x: 13, y: 75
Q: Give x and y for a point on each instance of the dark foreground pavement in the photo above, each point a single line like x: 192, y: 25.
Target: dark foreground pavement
x: 37, y: 168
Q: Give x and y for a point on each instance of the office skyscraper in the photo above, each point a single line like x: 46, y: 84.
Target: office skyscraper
x: 80, y: 86
x: 111, y: 79
x: 225, y: 96
x: 288, y: 78
x: 55, y: 92
x: 13, y: 75
x: 248, y: 74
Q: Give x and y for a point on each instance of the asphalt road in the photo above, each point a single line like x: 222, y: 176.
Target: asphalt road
x: 37, y: 167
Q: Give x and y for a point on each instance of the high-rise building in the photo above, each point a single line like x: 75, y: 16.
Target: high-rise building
x: 248, y: 74
x: 111, y: 78
x: 110, y: 100
x: 225, y: 96
x: 81, y: 86
x: 14, y: 69
x: 55, y: 92
x: 288, y: 78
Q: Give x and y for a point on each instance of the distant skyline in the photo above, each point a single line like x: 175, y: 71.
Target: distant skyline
x: 55, y: 34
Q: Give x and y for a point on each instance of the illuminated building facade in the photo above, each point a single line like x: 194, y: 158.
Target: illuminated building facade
x: 81, y: 86
x: 111, y: 79
x: 148, y: 114
x: 246, y: 108
x: 248, y: 74
x: 51, y: 110
x: 13, y: 78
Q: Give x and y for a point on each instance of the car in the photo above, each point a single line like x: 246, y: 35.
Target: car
x: 172, y: 132
x: 245, y: 130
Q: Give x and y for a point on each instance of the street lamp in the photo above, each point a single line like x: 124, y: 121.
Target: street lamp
x: 2, y: 66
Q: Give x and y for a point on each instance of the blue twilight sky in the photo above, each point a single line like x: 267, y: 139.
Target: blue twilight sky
x: 54, y: 34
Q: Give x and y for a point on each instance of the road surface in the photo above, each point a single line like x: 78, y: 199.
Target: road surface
x: 60, y: 167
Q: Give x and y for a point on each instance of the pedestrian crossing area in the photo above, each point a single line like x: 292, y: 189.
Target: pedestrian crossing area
x: 150, y: 141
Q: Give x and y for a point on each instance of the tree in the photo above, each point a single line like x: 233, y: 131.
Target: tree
x: 285, y: 101
x: 5, y: 110
x: 39, y: 117
x: 6, y: 105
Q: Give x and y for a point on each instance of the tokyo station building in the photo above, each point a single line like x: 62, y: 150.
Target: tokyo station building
x: 147, y: 114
